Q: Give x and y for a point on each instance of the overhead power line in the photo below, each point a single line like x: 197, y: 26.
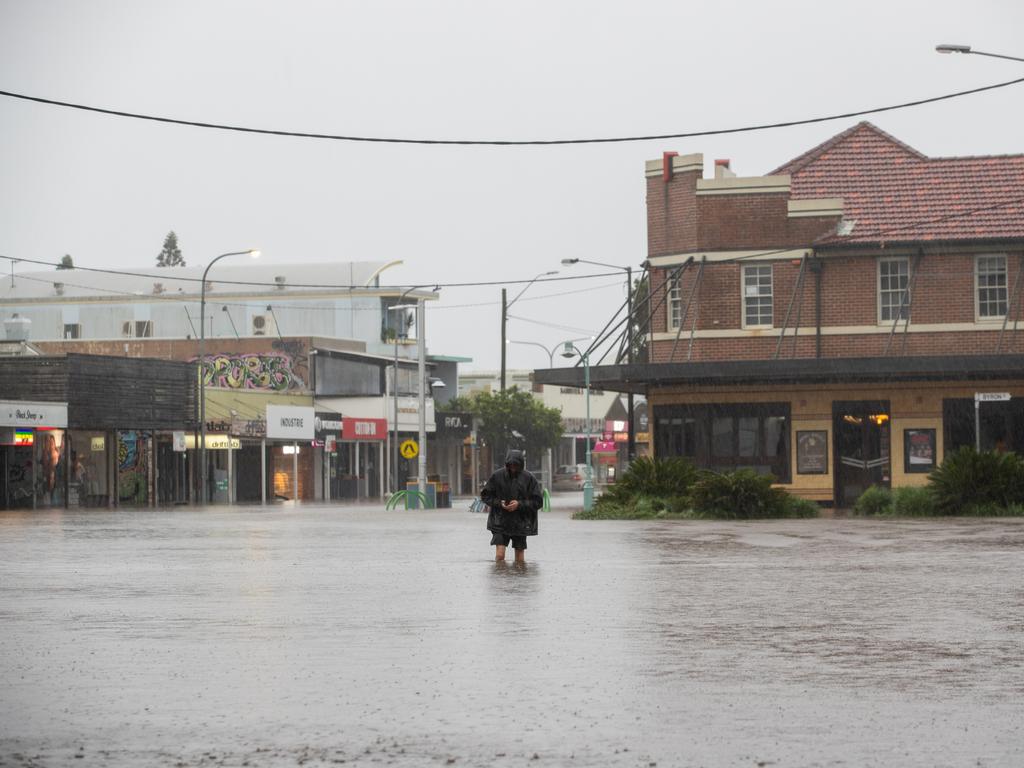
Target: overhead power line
x: 504, y: 142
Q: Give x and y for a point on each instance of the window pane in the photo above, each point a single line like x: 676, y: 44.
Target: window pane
x: 893, y: 283
x: 748, y: 435
x: 722, y: 444
x: 775, y: 436
x: 675, y: 305
x: 757, y: 295
x: 991, y: 281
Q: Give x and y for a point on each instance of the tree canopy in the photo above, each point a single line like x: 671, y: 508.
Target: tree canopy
x: 67, y: 262
x: 170, y: 256
x: 512, y: 419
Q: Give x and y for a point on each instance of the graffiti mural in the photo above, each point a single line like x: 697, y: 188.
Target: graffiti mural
x: 132, y: 468
x: 276, y: 372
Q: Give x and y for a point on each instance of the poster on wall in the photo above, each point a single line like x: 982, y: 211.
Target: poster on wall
x: 812, y: 452
x: 918, y: 450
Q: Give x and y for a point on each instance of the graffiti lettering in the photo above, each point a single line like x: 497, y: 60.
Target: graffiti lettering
x: 274, y: 372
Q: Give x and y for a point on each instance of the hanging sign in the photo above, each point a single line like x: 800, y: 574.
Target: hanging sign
x: 364, y: 429
x: 290, y: 422
x: 31, y: 414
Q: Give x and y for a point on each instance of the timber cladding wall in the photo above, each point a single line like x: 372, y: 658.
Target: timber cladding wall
x: 43, y: 379
x: 107, y: 392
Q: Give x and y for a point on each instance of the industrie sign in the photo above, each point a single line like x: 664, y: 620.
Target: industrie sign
x: 290, y: 422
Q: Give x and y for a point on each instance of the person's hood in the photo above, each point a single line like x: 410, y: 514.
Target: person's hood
x: 515, y: 457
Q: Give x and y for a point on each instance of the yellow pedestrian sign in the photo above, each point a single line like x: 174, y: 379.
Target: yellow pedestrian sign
x: 409, y: 449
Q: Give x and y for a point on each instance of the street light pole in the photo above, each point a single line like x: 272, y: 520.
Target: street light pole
x: 394, y: 387
x: 202, y: 373
x: 504, y: 316
x: 568, y: 350
x: 631, y: 434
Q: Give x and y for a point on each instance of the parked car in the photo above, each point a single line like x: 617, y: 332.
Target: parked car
x: 569, y: 477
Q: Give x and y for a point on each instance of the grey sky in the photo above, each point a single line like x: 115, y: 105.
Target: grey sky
x: 107, y: 190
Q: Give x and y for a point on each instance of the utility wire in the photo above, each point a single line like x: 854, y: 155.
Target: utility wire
x: 177, y: 298
x: 323, y: 286
x: 500, y: 142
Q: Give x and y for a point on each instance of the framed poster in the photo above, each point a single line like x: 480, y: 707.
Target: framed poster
x: 812, y: 452
x: 918, y: 450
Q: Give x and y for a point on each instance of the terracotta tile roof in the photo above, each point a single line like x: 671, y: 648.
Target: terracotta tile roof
x: 893, y: 193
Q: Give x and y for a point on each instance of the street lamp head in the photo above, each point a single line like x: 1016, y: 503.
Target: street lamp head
x: 948, y: 48
x: 255, y: 253
x: 569, y: 262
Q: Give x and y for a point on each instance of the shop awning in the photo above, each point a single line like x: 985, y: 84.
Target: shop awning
x: 229, y: 405
x: 639, y: 377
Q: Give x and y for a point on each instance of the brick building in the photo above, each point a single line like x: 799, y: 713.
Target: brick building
x: 831, y: 322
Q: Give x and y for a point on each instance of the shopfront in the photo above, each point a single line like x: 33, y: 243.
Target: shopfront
x: 352, y: 456
x: 81, y: 430
x: 33, y: 454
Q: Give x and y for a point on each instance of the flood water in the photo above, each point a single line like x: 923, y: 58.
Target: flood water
x: 325, y: 635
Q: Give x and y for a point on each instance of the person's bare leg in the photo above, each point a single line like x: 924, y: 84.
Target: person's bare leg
x: 520, y: 555
x: 499, y: 552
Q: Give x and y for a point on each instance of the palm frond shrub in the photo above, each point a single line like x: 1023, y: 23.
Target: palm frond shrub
x: 967, y: 478
x: 797, y: 507
x: 914, y: 502
x: 876, y: 500
x: 743, y: 494
x: 663, y: 478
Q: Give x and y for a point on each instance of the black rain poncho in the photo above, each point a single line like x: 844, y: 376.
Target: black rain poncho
x: 524, y: 488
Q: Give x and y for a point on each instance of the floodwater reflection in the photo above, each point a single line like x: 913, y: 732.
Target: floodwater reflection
x: 323, y: 635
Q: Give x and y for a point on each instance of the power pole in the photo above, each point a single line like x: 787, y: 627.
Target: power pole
x: 631, y: 439
x: 504, y: 318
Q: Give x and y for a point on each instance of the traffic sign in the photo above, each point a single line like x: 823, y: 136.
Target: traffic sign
x: 409, y: 449
x: 991, y: 397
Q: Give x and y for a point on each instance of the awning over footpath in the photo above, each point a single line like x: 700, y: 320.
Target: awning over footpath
x: 640, y: 377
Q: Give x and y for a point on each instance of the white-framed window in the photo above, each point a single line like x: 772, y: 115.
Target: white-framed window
x: 893, y: 289
x: 758, y: 299
x: 990, y: 286
x: 675, y: 304
x: 137, y: 329
x: 72, y: 330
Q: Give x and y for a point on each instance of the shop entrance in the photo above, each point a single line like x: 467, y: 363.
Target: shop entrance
x: 862, y: 448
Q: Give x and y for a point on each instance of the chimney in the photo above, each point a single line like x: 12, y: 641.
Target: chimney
x: 666, y: 165
x: 17, y: 328
x: 158, y: 287
x: 59, y: 288
x: 722, y: 169
x: 279, y: 279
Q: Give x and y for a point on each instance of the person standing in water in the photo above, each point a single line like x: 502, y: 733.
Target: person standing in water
x: 514, y: 498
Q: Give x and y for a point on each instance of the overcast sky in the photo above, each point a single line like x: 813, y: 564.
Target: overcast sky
x: 107, y: 190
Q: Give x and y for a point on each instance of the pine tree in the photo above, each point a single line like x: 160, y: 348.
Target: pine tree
x: 67, y: 262
x: 170, y: 256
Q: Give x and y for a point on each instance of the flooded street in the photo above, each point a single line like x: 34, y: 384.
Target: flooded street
x: 342, y: 635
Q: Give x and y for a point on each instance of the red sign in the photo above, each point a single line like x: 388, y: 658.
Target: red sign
x: 364, y: 429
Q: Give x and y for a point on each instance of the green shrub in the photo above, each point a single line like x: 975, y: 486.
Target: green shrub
x: 967, y: 478
x: 742, y: 494
x: 664, y: 478
x: 914, y: 502
x: 797, y: 507
x: 874, y: 501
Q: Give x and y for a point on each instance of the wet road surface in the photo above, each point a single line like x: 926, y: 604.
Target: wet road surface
x: 350, y: 635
